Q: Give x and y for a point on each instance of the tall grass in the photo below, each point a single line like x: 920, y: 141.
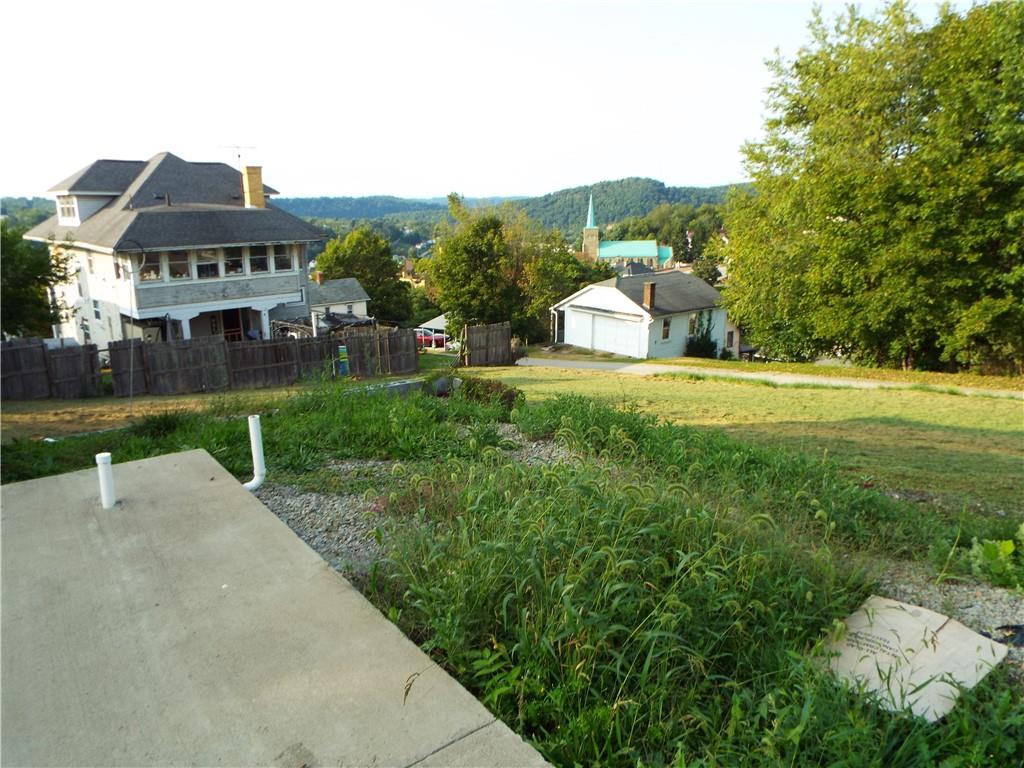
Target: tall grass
x: 300, y: 433
x: 614, y: 618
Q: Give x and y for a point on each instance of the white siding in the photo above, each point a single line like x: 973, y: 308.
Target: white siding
x: 618, y: 326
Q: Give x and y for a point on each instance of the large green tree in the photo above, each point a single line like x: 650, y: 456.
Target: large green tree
x: 886, y: 222
x: 27, y: 274
x: 366, y: 255
x: 496, y: 264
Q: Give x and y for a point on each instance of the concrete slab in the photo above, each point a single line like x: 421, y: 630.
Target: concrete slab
x: 188, y: 625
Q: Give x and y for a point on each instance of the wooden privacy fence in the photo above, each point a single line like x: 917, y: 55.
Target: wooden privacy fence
x: 213, y: 364
x: 487, y: 344
x: 382, y: 353
x: 30, y: 371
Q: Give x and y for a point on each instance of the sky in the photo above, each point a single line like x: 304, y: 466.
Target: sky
x: 413, y: 99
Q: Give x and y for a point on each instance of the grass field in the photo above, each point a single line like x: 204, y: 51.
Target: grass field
x: 605, y: 607
x: 932, y: 446
x: 924, y: 378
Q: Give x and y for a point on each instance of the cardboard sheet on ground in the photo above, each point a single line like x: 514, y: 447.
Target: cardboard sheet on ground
x: 910, y: 657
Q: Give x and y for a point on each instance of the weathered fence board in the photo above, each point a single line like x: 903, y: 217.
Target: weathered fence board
x: 180, y: 367
x: 211, y: 364
x: 30, y: 371
x: 382, y: 353
x: 128, y: 367
x: 24, y: 374
x: 488, y: 345
x: 74, y: 372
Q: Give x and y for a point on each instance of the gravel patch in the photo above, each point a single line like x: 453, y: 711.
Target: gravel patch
x: 339, y: 527
x: 978, y: 606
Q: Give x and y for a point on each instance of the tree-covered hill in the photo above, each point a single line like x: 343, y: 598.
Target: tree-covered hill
x: 355, y: 207
x: 613, y: 201
x: 565, y: 209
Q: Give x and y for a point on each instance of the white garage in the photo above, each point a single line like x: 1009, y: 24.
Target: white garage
x: 645, y: 316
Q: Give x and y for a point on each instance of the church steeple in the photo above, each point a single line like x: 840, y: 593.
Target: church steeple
x: 591, y: 237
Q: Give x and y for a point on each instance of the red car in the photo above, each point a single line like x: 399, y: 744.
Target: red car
x: 427, y: 338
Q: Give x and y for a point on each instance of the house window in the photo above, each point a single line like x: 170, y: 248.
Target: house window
x: 728, y: 339
x: 86, y: 337
x: 693, y: 324
x: 233, y: 263
x: 348, y: 309
x: 67, y: 207
x: 96, y: 310
x: 149, y: 268
x: 666, y: 327
x: 177, y: 265
x: 207, y: 264
x: 282, y: 258
x: 88, y: 261
x: 258, y: 262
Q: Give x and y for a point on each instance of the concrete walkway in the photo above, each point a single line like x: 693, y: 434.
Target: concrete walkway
x: 190, y: 626
x: 650, y: 369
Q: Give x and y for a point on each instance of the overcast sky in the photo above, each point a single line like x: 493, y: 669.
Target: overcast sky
x: 415, y: 99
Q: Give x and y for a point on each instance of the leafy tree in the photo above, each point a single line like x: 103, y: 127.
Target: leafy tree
x: 685, y: 228
x: 496, y: 264
x: 550, y: 277
x: 889, y: 194
x: 473, y: 272
x: 365, y: 255
x: 423, y: 307
x: 26, y: 277
x: 26, y: 212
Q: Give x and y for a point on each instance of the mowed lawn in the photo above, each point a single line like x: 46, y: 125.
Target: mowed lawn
x: 947, y: 449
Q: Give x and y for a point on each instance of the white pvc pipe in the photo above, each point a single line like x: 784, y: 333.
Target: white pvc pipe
x: 106, y: 473
x: 259, y: 469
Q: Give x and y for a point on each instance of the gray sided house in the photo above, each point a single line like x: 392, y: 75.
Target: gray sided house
x: 649, y: 315
x: 170, y: 249
x: 344, y: 296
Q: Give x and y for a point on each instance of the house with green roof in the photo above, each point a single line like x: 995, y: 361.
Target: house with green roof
x: 619, y: 253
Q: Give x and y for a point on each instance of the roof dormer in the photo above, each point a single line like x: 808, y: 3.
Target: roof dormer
x: 67, y: 211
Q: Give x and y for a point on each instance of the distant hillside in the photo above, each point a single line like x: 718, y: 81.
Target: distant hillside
x: 613, y: 201
x: 355, y: 207
x: 27, y: 211
x: 565, y: 209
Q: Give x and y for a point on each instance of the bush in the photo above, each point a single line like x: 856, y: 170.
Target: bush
x: 491, y: 392
x: 701, y: 346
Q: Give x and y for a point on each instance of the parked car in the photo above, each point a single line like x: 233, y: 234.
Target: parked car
x: 427, y: 338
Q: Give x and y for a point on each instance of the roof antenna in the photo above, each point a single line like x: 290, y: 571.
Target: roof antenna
x: 238, y: 151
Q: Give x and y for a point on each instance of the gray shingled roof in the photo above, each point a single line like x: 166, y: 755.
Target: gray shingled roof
x: 102, y: 176
x: 340, y: 291
x: 674, y: 291
x: 206, y: 209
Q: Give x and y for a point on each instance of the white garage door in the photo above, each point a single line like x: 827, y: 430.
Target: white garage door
x: 622, y: 337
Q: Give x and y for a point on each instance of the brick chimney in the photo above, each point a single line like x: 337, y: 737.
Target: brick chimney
x: 648, y: 295
x: 252, y: 187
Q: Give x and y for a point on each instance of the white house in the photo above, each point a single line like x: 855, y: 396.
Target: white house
x: 170, y: 249
x: 343, y: 296
x: 650, y: 315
